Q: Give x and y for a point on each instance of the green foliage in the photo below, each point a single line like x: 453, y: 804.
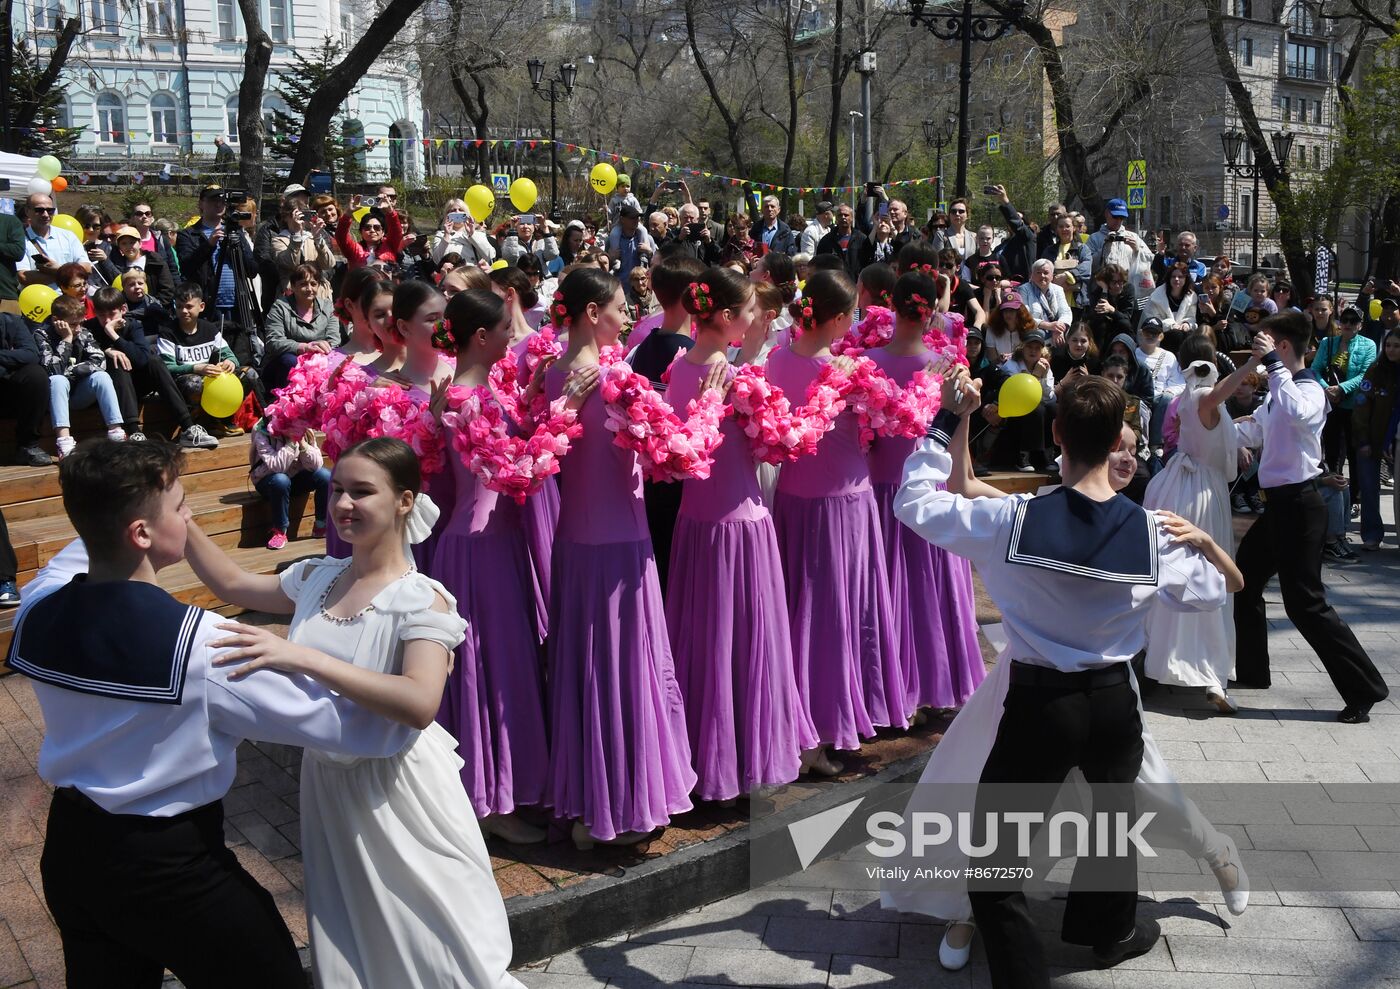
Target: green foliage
x: 296, y: 87
x: 39, y: 112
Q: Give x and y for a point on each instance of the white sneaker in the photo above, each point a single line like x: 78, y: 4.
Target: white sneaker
x: 1236, y: 892
x: 951, y: 958
x: 66, y: 445
x: 116, y: 433
x: 197, y: 438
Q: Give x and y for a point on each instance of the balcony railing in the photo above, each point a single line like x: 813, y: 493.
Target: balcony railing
x: 1305, y: 71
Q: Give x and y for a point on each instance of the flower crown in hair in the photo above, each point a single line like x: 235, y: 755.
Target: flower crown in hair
x: 558, y: 311
x: 443, y: 338
x: 886, y: 298
x: 806, y: 316
x: 701, y: 299
x: 924, y: 307
x: 928, y: 269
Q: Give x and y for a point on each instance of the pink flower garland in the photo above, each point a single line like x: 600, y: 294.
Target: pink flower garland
x: 510, y: 465
x: 539, y: 345
x: 875, y: 330
x: 297, y: 405
x: 640, y: 421
x: 404, y: 417
x: 775, y: 432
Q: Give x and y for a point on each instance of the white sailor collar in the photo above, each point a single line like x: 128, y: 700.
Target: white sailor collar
x: 1064, y: 531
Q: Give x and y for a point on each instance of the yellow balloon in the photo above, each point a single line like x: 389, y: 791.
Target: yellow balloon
x: 222, y: 395
x: 523, y: 194
x: 117, y: 283
x: 481, y: 201
x: 1375, y: 308
x: 36, y: 301
x: 360, y: 213
x: 603, y: 178
x: 1020, y: 394
x: 499, y: 263
x: 65, y: 222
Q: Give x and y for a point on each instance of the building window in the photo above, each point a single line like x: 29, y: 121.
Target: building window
x: 1317, y: 111
x: 1302, y: 19
x: 950, y: 72
x: 1006, y: 60
x: 231, y: 119
x: 164, y: 126
x: 1242, y: 8
x: 1303, y: 155
x: 111, y: 119
x: 1198, y: 210
x: 1032, y: 120
x: 227, y: 13
x: 277, y: 20
x: 1317, y: 156
x: 1246, y: 51
x: 1246, y: 211
x: 47, y: 14
x: 160, y: 18
x: 986, y: 65
x: 1285, y: 107
x: 1304, y: 61
x: 347, y: 27
x: 1302, y: 109
x: 106, y: 19
x: 1164, y: 210
x: 65, y: 116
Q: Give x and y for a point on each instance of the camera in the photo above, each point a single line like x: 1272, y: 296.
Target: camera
x: 307, y: 215
x: 1114, y: 238
x: 237, y: 197
x: 991, y: 190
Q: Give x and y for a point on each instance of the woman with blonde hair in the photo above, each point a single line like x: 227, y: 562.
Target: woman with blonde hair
x: 458, y: 234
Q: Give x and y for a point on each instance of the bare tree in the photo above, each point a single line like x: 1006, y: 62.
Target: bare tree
x: 257, y: 58
x: 23, y: 108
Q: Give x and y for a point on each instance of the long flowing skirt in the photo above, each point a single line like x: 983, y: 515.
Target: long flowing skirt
x: 843, y: 641
x: 729, y: 634
x: 619, y: 757
x: 541, y: 515
x: 494, y: 700
x: 1194, y: 649
x: 399, y: 890
x: 935, y: 613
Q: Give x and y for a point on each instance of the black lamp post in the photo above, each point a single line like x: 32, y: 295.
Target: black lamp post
x: 967, y: 28
x: 939, y: 136
x: 1232, y: 141
x: 568, y: 72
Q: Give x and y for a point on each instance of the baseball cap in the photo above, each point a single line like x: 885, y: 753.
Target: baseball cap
x: 1390, y: 304
x: 574, y: 225
x: 211, y: 192
x: 1152, y: 325
x: 293, y: 189
x: 127, y: 232
x: 1012, y: 301
x: 825, y: 207
x: 630, y: 212
x: 1116, y: 207
x: 978, y: 332
x: 1349, y: 315
x: 1033, y: 336
x: 624, y: 180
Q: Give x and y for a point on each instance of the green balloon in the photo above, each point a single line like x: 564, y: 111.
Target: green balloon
x: 49, y: 167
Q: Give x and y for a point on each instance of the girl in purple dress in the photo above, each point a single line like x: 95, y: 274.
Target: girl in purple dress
x: 931, y: 590
x: 725, y: 605
x: 619, y: 759
x: 542, y: 507
x: 494, y: 701
x: 418, y: 309
x: 843, y: 634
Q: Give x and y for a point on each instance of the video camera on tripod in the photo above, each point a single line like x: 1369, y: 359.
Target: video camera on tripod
x: 233, y: 198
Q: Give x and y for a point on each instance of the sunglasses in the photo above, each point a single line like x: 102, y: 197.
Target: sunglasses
x: 143, y: 212
x: 46, y: 209
x: 371, y: 226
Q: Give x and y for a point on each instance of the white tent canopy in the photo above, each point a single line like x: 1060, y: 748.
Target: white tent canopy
x: 19, y: 169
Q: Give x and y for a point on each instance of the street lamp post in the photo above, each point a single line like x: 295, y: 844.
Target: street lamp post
x: 939, y: 136
x: 965, y: 27
x: 1232, y: 141
x: 568, y: 72
x: 854, y: 115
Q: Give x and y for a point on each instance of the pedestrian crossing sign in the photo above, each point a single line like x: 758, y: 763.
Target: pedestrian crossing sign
x: 1137, y: 197
x: 1137, y: 172
x: 500, y: 183
x: 993, y: 144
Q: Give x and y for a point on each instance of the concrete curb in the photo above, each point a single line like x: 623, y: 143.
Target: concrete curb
x: 549, y: 923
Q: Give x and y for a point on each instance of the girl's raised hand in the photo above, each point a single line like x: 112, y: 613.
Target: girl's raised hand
x: 717, y: 377
x: 577, y: 387
x: 437, y: 396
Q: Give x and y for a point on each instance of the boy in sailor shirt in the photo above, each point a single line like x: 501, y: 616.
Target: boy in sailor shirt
x: 140, y: 741
x: 1075, y: 574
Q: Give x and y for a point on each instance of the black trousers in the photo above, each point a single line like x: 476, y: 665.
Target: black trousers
x: 24, y: 397
x: 1053, y: 723
x: 154, y: 377
x: 663, y: 504
x: 1287, y: 540
x: 1337, y: 448
x: 133, y: 896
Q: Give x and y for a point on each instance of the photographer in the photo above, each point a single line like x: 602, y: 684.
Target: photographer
x: 216, y: 256
x: 381, y: 233
x: 695, y: 238
x: 1113, y: 243
x: 629, y: 245
x: 532, y: 235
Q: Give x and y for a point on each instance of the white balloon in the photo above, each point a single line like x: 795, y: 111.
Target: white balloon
x: 39, y: 186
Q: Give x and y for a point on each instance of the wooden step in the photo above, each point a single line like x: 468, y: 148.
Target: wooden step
x: 1015, y: 482
x: 181, y: 582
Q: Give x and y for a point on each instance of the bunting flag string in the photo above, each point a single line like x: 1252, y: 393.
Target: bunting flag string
x: 615, y: 158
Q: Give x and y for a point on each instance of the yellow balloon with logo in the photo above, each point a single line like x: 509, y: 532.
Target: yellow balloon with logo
x: 65, y: 222
x: 523, y: 194
x: 603, y: 178
x: 117, y: 283
x: 480, y: 202
x: 222, y: 395
x: 36, y: 302
x: 1375, y: 308
x: 1020, y: 394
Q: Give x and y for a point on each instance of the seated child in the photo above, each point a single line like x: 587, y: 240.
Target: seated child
x: 194, y: 349
x: 281, y: 469
x: 77, y: 377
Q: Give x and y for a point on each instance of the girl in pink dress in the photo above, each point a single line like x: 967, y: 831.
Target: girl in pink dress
x: 371, y: 326
x: 494, y: 700
x: 931, y: 590
x: 843, y: 634
x: 619, y: 759
x: 418, y: 309
x: 725, y: 606
x: 527, y: 348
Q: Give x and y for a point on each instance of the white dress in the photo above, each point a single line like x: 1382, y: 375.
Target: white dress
x: 1196, y: 649
x: 399, y: 889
